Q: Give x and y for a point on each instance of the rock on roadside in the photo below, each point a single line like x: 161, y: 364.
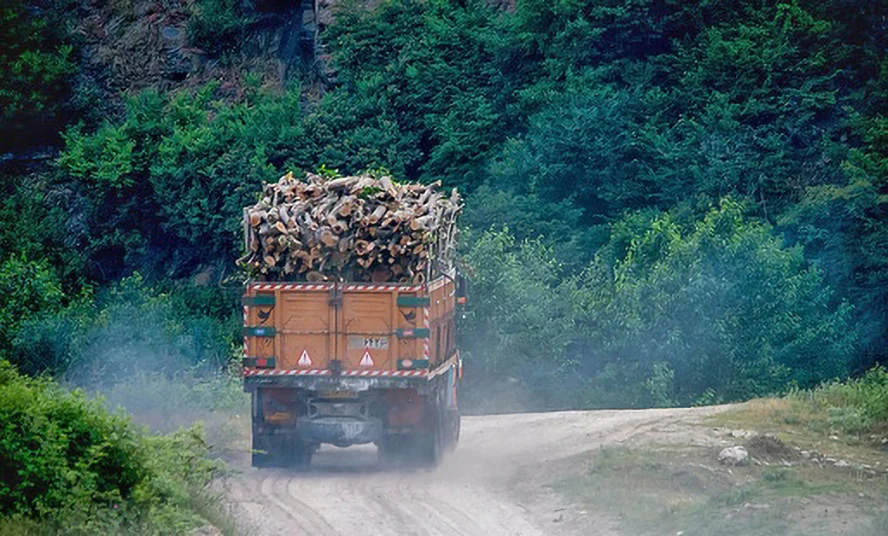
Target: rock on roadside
x: 737, y: 455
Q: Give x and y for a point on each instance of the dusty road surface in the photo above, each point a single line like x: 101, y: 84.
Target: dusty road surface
x: 495, y: 483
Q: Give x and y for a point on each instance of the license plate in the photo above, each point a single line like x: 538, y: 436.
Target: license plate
x: 370, y: 343
x: 339, y: 394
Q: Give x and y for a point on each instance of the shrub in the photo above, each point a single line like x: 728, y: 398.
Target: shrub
x: 59, y: 450
x: 126, y: 328
x: 853, y: 406
x: 522, y: 321
x: 165, y: 188
x: 26, y: 287
x: 68, y: 466
x: 688, y: 310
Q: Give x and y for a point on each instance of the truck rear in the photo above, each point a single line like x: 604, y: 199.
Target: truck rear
x: 352, y: 363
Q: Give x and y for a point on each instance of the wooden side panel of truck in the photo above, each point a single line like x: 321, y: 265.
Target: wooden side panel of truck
x: 349, y: 363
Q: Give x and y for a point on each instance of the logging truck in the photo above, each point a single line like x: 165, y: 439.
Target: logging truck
x: 352, y: 363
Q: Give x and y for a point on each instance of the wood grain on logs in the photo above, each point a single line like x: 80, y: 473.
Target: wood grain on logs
x: 350, y: 229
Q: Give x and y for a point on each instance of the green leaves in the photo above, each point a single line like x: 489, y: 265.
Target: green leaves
x: 60, y: 450
x: 27, y: 287
x: 67, y: 461
x: 177, y: 171
x: 729, y: 308
x: 715, y: 307
x: 38, y: 62
x: 434, y: 72
x: 128, y: 328
x: 603, y: 134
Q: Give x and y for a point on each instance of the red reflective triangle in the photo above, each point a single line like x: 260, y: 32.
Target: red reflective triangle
x: 366, y: 361
x: 304, y: 360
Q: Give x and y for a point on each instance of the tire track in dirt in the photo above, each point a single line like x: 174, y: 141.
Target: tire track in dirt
x: 495, y: 483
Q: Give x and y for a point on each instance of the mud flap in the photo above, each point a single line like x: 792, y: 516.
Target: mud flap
x: 281, y: 450
x: 432, y: 443
x: 452, y: 431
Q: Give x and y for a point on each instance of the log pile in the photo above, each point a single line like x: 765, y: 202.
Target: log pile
x: 350, y: 229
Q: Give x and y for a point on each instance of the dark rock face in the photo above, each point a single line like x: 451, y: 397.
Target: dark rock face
x: 125, y: 50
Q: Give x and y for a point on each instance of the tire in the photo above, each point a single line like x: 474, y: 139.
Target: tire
x: 431, y: 444
x: 263, y: 451
x: 281, y: 451
x: 453, y: 431
x: 301, y: 455
x: 392, y: 452
x: 411, y: 451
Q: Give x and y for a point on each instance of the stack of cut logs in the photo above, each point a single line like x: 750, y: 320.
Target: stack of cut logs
x: 350, y: 229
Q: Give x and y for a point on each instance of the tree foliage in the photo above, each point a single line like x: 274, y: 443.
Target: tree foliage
x: 694, y: 192
x: 165, y: 188
x: 724, y: 305
x: 37, y: 60
x: 128, y: 328
x: 79, y: 469
x: 27, y: 287
x: 715, y: 308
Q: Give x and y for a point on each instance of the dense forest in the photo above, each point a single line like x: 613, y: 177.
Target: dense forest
x: 668, y: 202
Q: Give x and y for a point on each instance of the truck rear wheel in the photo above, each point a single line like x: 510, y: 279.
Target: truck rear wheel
x: 431, y: 444
x: 453, y: 425
x: 281, y: 451
x: 392, y: 451
x: 415, y: 450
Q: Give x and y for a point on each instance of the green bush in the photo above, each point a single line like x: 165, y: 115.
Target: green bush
x: 724, y: 303
x: 26, y: 287
x: 60, y: 450
x: 166, y: 187
x: 853, y: 406
x: 127, y: 328
x: 74, y: 468
x: 522, y: 322
x: 687, y: 311
x: 31, y: 227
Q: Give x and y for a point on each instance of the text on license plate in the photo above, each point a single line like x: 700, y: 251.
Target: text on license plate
x: 372, y: 343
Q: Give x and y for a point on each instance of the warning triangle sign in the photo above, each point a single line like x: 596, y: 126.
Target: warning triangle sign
x: 304, y: 360
x: 366, y: 361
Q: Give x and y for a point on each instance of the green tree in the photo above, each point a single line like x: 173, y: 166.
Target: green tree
x: 724, y: 304
x: 37, y: 62
x: 683, y: 309
x: 435, y: 71
x: 128, y: 328
x: 27, y: 287
x: 165, y: 188
x: 523, y: 320
x: 843, y: 229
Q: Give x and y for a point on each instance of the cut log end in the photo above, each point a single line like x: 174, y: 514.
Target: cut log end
x: 349, y: 228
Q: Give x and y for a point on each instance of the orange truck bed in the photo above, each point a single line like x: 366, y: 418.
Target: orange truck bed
x: 348, y: 363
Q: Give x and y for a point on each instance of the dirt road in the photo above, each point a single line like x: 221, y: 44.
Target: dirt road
x: 496, y: 483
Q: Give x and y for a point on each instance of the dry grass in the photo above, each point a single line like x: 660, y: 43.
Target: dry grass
x: 799, y: 423
x: 657, y: 491
x: 784, y: 492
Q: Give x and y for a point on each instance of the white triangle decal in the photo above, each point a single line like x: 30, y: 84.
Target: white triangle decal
x: 304, y: 360
x: 366, y: 361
